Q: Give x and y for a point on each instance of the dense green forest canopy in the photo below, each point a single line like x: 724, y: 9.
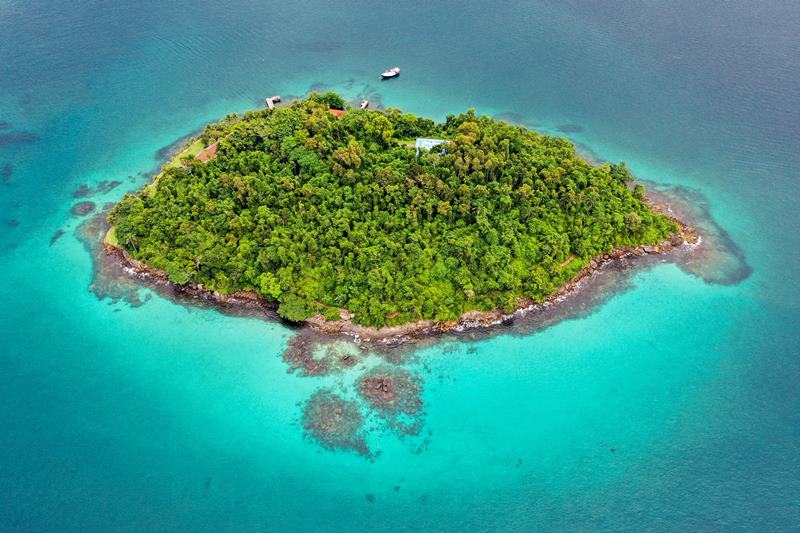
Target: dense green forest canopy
x: 320, y: 212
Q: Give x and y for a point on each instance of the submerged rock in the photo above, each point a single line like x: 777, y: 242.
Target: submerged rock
x: 84, y: 191
x: 57, y: 235
x: 315, y: 356
x: 335, y: 423
x: 7, y: 172
x: 570, y: 128
x: 712, y: 255
x: 81, y: 209
x: 109, y: 279
x: 392, y: 390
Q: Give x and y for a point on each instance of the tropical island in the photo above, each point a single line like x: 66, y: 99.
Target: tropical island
x: 342, y: 215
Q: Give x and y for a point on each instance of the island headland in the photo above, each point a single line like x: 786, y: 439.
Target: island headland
x: 381, y: 224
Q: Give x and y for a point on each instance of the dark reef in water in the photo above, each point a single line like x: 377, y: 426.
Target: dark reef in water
x: 22, y: 137
x: 109, y: 281
x: 391, y: 390
x: 5, y: 126
x: 6, y: 172
x: 512, y: 118
x: 570, y: 128
x: 57, y: 235
x: 81, y: 209
x: 312, y: 358
x: 166, y: 153
x: 717, y: 259
x: 335, y: 423
x: 388, y: 398
x: 396, y: 395
x: 105, y: 186
x: 592, y: 157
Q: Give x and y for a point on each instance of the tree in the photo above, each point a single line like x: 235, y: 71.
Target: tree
x: 633, y: 222
x: 330, y: 99
x: 294, y: 308
x: 269, y: 286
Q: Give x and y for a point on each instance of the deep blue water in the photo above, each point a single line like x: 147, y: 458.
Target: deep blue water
x: 162, y: 417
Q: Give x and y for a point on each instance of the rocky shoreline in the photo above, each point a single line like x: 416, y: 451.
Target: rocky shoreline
x: 249, y: 301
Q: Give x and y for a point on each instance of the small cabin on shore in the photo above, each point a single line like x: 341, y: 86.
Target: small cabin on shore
x: 208, y: 153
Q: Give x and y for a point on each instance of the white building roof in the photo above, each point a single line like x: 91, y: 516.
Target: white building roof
x: 428, y: 143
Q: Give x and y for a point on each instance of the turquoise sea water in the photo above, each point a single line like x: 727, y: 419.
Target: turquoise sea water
x: 674, y: 405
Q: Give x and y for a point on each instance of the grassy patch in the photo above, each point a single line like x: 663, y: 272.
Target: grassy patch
x: 111, y: 236
x: 192, y: 150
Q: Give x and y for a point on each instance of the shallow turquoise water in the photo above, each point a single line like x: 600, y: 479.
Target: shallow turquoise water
x: 163, y: 417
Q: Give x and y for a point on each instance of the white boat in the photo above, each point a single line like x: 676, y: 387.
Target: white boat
x: 391, y: 73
